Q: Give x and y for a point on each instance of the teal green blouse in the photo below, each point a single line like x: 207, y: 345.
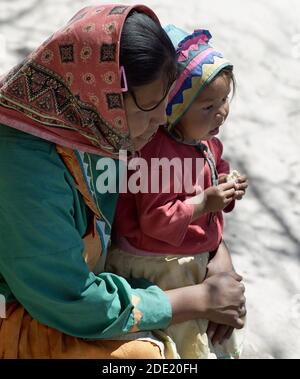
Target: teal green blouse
x: 42, y: 221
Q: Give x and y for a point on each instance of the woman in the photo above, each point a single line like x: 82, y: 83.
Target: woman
x: 61, y: 110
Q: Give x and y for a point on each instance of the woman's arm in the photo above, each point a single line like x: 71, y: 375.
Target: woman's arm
x: 41, y: 228
x: 219, y: 298
x: 220, y: 262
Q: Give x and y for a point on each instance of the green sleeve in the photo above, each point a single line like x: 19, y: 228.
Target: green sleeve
x: 42, y: 221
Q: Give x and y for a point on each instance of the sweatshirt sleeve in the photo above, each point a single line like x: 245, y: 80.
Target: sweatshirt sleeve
x: 164, y: 216
x: 41, y: 228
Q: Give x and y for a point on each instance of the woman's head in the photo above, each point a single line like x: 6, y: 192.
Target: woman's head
x: 149, y: 59
x: 68, y: 91
x: 199, y: 103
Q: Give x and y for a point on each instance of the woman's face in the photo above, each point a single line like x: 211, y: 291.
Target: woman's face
x: 144, y: 124
x: 208, y: 112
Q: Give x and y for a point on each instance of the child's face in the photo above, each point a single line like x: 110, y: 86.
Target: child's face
x: 208, y: 112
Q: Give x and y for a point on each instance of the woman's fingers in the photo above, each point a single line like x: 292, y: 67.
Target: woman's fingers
x: 219, y: 334
x: 242, y: 311
x: 211, y: 330
x: 240, y: 323
x: 232, y: 319
x: 243, y: 289
x: 228, y: 334
x: 236, y: 276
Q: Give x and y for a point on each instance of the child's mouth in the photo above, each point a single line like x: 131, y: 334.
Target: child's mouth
x: 215, y: 131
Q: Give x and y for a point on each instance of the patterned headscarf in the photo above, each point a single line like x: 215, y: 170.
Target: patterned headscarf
x: 199, y: 63
x: 68, y: 91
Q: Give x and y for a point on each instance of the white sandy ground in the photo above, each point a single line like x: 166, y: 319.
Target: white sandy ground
x: 261, y: 138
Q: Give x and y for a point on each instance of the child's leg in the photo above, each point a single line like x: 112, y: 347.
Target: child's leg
x: 169, y: 273
x: 173, y: 272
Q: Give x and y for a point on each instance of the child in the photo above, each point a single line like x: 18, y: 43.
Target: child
x: 176, y: 239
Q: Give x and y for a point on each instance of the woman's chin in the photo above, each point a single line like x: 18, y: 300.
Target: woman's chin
x: 139, y: 143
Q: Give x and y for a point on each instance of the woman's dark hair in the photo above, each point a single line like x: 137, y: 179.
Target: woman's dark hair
x: 146, y: 51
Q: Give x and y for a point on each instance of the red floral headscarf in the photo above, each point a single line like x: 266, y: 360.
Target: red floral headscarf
x: 68, y: 91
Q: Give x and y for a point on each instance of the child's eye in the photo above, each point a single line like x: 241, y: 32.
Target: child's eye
x: 208, y: 108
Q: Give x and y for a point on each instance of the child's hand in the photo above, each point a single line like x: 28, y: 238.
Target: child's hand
x: 222, y: 179
x: 219, y: 197
x: 241, y: 186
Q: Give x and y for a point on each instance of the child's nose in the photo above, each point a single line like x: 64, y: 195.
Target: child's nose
x: 222, y: 111
x: 220, y: 118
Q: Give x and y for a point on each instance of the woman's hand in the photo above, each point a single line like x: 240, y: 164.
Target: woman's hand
x: 219, y: 298
x: 218, y: 333
x: 226, y: 300
x: 221, y: 262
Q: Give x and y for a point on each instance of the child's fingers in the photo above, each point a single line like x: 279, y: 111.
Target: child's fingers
x: 242, y: 185
x: 241, y: 188
x: 239, y: 195
x: 226, y: 186
x: 229, y: 193
x: 222, y: 179
x: 229, y: 200
x: 242, y: 178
